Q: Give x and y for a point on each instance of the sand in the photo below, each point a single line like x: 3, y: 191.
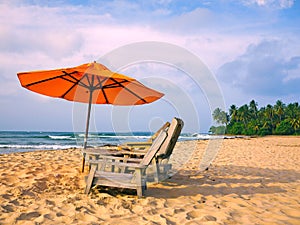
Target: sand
x: 251, y: 181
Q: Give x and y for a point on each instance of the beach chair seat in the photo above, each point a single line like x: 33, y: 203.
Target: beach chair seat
x: 120, y: 172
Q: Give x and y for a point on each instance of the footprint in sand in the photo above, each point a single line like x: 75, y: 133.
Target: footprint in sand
x: 7, y: 208
x: 198, y: 214
x: 8, y: 180
x: 194, y: 214
x: 28, y: 216
x: 291, y: 212
x: 6, y: 196
x: 15, y: 202
x: 209, y: 218
x: 49, y: 202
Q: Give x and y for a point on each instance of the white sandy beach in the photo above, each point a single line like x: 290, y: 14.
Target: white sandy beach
x: 252, y: 181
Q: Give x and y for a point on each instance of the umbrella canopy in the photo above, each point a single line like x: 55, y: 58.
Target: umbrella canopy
x: 91, y: 83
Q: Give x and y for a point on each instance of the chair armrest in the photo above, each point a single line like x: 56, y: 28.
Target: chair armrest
x: 139, y: 144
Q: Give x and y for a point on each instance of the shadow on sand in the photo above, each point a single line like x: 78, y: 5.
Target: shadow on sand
x: 224, y: 180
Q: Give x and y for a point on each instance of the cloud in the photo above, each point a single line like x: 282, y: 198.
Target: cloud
x: 52, y: 34
x: 197, y: 19
x: 274, y: 4
x: 28, y: 29
x: 264, y: 69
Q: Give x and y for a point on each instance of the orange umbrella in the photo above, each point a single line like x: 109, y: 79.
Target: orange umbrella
x: 91, y: 83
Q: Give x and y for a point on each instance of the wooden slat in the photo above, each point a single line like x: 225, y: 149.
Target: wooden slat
x: 117, y: 163
x: 154, y: 148
x: 117, y: 180
x: 90, y: 179
x: 104, y: 157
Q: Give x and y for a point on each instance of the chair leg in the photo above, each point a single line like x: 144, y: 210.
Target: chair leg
x: 83, y: 163
x: 156, y: 171
x: 90, y: 179
x: 139, y: 185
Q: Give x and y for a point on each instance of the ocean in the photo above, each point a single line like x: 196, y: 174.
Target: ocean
x: 23, y: 141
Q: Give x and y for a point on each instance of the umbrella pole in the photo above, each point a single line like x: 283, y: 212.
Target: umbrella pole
x: 87, y: 129
x: 88, y: 121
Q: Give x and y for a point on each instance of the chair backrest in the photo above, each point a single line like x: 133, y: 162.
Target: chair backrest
x: 154, y: 148
x: 172, y: 136
x: 164, y: 127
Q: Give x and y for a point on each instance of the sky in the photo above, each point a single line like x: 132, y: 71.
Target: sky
x: 249, y: 49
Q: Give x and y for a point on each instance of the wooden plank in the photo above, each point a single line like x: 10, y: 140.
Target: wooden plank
x: 112, y: 175
x: 117, y: 180
x: 139, y: 144
x: 155, y: 170
x: 154, y: 148
x: 139, y: 186
x: 119, y: 164
x: 121, y: 158
x: 90, y: 179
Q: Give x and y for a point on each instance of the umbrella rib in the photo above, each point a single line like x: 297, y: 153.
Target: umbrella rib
x: 99, y: 85
x: 75, y: 80
x: 74, y: 84
x: 90, y: 84
x: 116, y: 84
x: 102, y: 88
x: 127, y: 89
x: 81, y: 83
x: 48, y: 79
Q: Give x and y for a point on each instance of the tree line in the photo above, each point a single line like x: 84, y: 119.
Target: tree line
x: 248, y: 119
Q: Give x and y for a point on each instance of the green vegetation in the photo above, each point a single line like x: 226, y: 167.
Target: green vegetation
x: 278, y: 119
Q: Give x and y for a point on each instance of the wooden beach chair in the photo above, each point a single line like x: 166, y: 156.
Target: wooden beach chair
x: 143, y: 145
x: 112, y: 171
x: 161, y: 166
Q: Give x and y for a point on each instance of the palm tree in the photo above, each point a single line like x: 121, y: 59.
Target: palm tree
x: 220, y: 116
x: 248, y: 119
x: 279, y: 110
x: 233, y: 113
x: 244, y: 115
x: 253, y: 108
x: 292, y: 113
x: 269, y: 114
x: 295, y: 123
